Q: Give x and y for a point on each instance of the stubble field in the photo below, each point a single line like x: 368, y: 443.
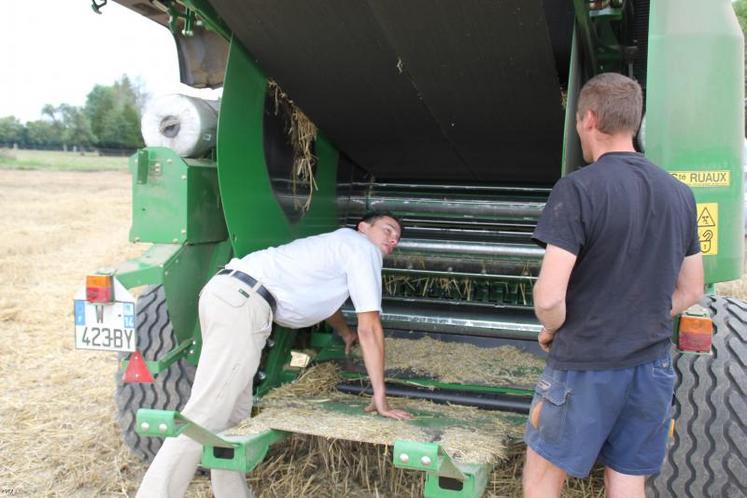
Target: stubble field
x: 58, y: 433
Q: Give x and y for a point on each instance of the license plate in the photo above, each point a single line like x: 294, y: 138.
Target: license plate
x: 105, y: 327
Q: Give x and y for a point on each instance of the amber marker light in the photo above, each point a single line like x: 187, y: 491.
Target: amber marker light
x: 99, y: 289
x: 695, y: 334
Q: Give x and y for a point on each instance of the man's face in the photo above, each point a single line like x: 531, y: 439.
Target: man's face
x: 384, y: 233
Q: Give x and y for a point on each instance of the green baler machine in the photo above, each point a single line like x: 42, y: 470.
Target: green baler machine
x: 458, y: 117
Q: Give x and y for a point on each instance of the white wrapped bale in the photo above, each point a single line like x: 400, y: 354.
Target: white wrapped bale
x: 180, y: 122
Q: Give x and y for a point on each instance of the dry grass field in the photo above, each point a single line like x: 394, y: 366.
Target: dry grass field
x: 60, y: 160
x: 58, y: 434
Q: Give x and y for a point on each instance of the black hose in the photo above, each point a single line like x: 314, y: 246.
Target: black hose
x: 502, y: 402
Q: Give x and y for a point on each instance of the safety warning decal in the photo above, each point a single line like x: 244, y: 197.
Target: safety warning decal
x: 720, y: 178
x: 708, y: 228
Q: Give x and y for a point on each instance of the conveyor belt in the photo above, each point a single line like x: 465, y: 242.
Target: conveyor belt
x: 426, y: 89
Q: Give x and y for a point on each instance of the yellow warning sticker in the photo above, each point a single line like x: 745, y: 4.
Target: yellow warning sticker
x: 721, y: 178
x: 708, y: 228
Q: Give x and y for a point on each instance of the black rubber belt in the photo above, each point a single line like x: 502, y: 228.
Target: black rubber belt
x: 502, y: 402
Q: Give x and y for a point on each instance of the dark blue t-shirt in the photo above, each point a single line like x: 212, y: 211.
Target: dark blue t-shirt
x: 631, y: 224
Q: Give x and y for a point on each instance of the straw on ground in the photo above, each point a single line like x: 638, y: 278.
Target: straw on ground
x: 58, y: 433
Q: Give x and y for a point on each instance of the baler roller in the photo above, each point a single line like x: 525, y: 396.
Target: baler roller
x: 440, y: 207
x: 419, y: 228
x: 448, y: 188
x: 463, y: 318
x: 479, y: 249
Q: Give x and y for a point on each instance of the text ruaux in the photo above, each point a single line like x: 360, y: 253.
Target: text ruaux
x: 719, y: 178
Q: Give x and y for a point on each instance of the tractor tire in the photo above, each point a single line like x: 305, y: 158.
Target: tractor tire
x: 707, y: 457
x: 171, y: 389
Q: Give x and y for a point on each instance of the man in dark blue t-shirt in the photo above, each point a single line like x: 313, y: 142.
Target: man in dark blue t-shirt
x: 622, y: 258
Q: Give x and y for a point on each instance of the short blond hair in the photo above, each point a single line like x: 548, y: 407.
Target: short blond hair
x: 616, y: 100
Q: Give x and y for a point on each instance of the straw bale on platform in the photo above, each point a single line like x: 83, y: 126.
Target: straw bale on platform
x: 472, y: 435
x: 329, y: 465
x: 462, y: 363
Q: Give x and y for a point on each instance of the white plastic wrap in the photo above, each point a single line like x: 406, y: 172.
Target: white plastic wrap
x: 183, y: 123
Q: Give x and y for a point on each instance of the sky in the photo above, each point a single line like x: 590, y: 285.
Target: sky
x: 55, y: 51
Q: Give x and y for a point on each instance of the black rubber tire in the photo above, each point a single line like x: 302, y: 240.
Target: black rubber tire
x: 707, y: 458
x: 171, y: 389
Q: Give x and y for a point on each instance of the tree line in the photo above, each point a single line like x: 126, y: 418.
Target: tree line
x: 109, y: 119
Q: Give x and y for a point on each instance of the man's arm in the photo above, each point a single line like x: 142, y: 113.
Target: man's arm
x: 371, y: 337
x: 338, y: 323
x: 549, y: 291
x: 690, y: 283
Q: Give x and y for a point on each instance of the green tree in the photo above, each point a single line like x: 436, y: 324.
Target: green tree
x: 131, y: 119
x: 42, y: 133
x: 56, y: 128
x: 76, y: 125
x: 114, y: 114
x: 11, y: 131
x: 100, y: 104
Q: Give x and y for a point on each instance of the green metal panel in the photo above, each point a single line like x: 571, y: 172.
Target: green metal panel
x: 205, y: 221
x: 255, y: 219
x: 174, y: 200
x: 183, y: 277
x: 148, y: 268
x: 602, y: 49
x: 277, y: 357
x: 572, y: 156
x: 444, y: 478
x: 695, y: 117
x: 182, y: 270
x: 473, y: 486
x: 430, y: 457
x: 240, y: 454
x: 248, y: 452
x: 176, y: 204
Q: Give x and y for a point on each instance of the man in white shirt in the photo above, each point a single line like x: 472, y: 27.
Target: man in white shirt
x: 295, y: 285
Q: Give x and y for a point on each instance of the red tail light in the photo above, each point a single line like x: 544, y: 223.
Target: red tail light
x: 695, y: 334
x: 99, y: 289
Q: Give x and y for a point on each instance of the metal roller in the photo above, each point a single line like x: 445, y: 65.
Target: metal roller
x: 480, y: 249
x: 418, y: 228
x: 466, y: 251
x: 447, y: 188
x: 478, y: 319
x: 490, y: 209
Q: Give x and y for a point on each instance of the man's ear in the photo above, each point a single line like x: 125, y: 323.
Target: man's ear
x: 363, y: 227
x: 589, y: 120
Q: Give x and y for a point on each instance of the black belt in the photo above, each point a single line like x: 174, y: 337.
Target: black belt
x: 251, y: 282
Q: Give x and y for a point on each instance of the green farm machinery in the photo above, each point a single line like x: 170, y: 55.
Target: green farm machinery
x: 458, y: 116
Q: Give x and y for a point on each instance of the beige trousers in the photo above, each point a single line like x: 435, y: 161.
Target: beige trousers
x: 235, y: 323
